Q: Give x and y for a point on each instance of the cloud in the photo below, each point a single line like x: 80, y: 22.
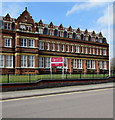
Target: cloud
x: 87, y: 5
x: 79, y: 7
x: 107, y: 18
x: 14, y: 9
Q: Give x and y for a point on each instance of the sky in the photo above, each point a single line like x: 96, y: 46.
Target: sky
x: 87, y: 14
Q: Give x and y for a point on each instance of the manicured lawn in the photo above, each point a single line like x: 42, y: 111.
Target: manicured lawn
x: 31, y: 78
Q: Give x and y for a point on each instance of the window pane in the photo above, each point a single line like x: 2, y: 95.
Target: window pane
x: 47, y: 62
x: 23, y: 61
x: 30, y: 61
x: 41, y: 62
x: 1, y: 61
x: 9, y: 61
x: 7, y: 42
x: 31, y: 43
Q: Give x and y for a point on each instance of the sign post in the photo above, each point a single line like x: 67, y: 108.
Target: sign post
x: 63, y: 69
x: 50, y: 70
x: 59, y: 61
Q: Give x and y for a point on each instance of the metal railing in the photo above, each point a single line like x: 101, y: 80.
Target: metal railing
x: 9, y: 78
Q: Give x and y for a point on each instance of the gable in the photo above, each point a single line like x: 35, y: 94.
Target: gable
x: 25, y: 17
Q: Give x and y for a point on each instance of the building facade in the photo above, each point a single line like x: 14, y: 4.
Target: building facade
x: 27, y: 46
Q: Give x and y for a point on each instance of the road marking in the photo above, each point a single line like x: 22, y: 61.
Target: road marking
x: 25, y: 98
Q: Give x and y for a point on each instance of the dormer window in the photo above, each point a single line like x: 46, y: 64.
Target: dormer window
x: 96, y: 39
x: 93, y: 39
x: 78, y: 37
x: 100, y: 40
x: 7, y: 26
x: 69, y: 35
x: 86, y: 38
x: 60, y: 34
x: 40, y: 30
x: 51, y: 32
x: 22, y: 27
x: 28, y: 28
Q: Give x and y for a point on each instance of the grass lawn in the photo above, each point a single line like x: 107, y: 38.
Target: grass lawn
x: 31, y: 78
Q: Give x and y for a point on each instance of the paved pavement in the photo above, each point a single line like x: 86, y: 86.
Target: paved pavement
x: 85, y: 104
x: 40, y: 92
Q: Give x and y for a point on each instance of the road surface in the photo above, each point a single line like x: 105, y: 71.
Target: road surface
x: 85, y: 104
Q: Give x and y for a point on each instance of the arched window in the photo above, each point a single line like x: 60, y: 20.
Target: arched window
x: 74, y: 35
x: 46, y: 31
x: 89, y: 37
x: 1, y: 24
x: 82, y: 36
x: 55, y: 32
x: 104, y: 40
x: 13, y: 26
x: 65, y: 34
x: 37, y: 29
x: 96, y: 39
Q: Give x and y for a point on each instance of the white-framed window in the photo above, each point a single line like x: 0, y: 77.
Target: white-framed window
x: 70, y: 35
x: 63, y: 48
x: 41, y: 45
x: 100, y: 40
x: 93, y: 39
x: 74, y: 63
x: 23, y: 42
x: 79, y: 64
x: 78, y: 37
x: 77, y: 49
x: 97, y: 51
x: 23, y: 61
x: 86, y: 50
x: 66, y: 63
x: 41, y: 62
x: 53, y: 47
x: 30, y: 61
x: 100, y: 65
x: 67, y: 48
x: 22, y: 27
x: 82, y: 49
x: 105, y: 65
x: 94, y: 51
x: 48, y: 46
x: 47, y: 62
x: 9, y: 61
x: 88, y: 64
x: 100, y: 51
x: 72, y: 48
x: 104, y: 52
x: 31, y: 43
x: 1, y: 61
x: 86, y: 38
x: 51, y: 32
x: 7, y: 42
x: 28, y: 28
x: 60, y: 34
x: 93, y: 64
x: 7, y: 26
x: 89, y: 50
x: 58, y: 47
x: 40, y: 30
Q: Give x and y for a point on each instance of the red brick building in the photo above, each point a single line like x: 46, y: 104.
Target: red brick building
x: 27, y: 46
